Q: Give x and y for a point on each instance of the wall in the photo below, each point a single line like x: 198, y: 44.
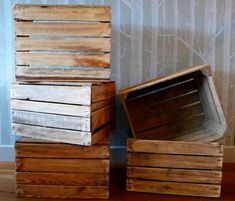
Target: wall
x: 149, y: 38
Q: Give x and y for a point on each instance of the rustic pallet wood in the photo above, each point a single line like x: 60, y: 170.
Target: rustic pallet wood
x: 62, y: 42
x: 174, y: 167
x: 62, y: 170
x: 81, y: 113
x: 173, y: 106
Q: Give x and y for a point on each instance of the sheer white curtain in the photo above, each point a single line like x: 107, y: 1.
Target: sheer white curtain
x: 149, y: 38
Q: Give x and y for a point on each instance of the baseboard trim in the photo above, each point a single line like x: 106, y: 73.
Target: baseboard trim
x: 229, y: 154
x: 7, y: 153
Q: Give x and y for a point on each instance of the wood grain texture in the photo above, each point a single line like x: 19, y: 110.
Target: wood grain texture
x: 62, y: 12
x: 52, y: 120
x: 44, y: 150
x: 174, y: 188
x: 175, y: 161
x: 51, y: 108
x: 51, y: 93
x: 176, y: 175
x: 62, y: 29
x: 105, y: 91
x: 172, y: 147
x: 102, y: 116
x: 60, y: 179
x: 65, y: 44
x: 61, y: 74
x: 62, y: 165
x: 61, y: 59
x: 53, y: 134
x: 62, y: 191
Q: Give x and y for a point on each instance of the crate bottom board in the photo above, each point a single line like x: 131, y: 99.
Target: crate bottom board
x: 47, y: 191
x: 173, y: 188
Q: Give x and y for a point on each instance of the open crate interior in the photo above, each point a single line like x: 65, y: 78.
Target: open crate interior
x: 182, y: 106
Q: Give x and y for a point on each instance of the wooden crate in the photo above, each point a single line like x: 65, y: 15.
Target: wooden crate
x: 174, y: 167
x: 181, y: 106
x: 55, y: 170
x: 76, y: 113
x: 175, y: 121
x: 62, y: 42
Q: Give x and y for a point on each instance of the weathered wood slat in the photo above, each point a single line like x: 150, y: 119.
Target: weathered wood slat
x: 52, y: 120
x: 60, y: 179
x: 159, y: 119
x: 177, y: 175
x: 62, y: 12
x: 172, y: 147
x: 102, y: 116
x: 171, y: 130
x: 57, y: 135
x: 39, y: 150
x: 65, y: 44
x: 50, y: 93
x: 103, y: 103
x: 175, y: 161
x: 164, y: 106
x: 61, y: 59
x: 62, y: 29
x: 62, y: 191
x: 205, y: 190
x: 105, y: 91
x: 52, y: 108
x: 71, y: 74
x: 62, y: 165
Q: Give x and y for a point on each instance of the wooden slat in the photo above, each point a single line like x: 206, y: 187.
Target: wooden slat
x: 171, y: 130
x: 57, y: 135
x: 177, y: 175
x: 103, y: 103
x: 102, y: 116
x: 52, y: 120
x: 52, y: 108
x: 163, y: 106
x: 48, y: 191
x: 67, y: 179
x: 185, y: 71
x: 61, y: 74
x: 39, y: 150
x: 101, y: 134
x: 68, y: 44
x: 171, y: 147
x: 62, y: 165
x: 205, y: 190
x: 105, y: 91
x: 50, y: 93
x: 158, y: 119
x: 175, y: 161
x: 62, y: 12
x: 62, y: 29
x: 61, y: 59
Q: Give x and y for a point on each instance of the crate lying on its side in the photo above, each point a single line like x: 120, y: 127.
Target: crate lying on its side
x: 55, y: 170
x: 62, y: 42
x: 76, y: 113
x: 176, y: 122
x: 174, y: 167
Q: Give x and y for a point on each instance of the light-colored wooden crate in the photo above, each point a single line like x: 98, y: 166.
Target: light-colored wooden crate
x: 76, y: 113
x: 55, y: 170
x: 180, y: 106
x: 62, y: 42
x: 174, y: 167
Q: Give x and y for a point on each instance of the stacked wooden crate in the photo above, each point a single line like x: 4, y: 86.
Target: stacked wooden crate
x: 177, y: 123
x: 63, y: 93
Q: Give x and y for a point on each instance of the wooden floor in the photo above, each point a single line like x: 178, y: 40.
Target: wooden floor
x: 117, y: 189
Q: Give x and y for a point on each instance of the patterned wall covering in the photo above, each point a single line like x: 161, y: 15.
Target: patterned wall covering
x: 149, y: 38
